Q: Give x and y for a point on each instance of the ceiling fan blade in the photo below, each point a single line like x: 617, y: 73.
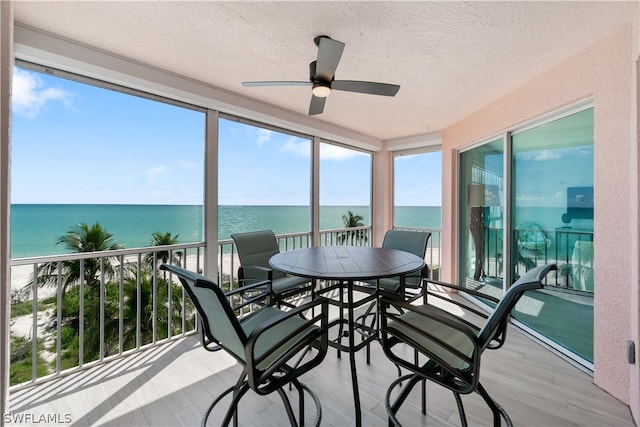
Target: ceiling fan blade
x: 372, y: 88
x: 275, y: 83
x: 329, y: 54
x: 317, y: 105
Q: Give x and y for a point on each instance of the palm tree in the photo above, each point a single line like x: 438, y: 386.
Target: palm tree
x: 352, y: 220
x: 163, y: 239
x: 82, y: 238
x: 130, y: 308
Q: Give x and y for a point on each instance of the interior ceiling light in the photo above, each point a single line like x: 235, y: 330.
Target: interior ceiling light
x: 321, y: 90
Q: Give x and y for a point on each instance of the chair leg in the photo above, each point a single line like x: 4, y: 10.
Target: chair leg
x: 287, y: 406
x: 301, y: 416
x: 463, y: 416
x: 496, y: 409
x: 203, y: 423
x: 423, y: 387
x: 424, y: 397
x: 392, y: 409
x: 233, y: 408
x: 298, y: 386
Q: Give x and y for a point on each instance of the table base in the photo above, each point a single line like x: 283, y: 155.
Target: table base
x: 367, y: 334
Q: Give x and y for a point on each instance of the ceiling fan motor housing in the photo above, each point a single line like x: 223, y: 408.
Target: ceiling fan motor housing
x: 321, y: 88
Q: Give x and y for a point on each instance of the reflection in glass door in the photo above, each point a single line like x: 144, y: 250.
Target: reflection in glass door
x: 535, y: 208
x: 481, y: 217
x: 552, y: 181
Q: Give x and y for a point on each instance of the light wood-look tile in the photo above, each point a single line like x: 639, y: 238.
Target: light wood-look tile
x: 172, y: 384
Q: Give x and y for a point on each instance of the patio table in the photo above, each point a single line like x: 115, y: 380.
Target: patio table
x: 348, y: 265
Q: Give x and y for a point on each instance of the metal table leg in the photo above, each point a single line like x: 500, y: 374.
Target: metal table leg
x: 352, y: 356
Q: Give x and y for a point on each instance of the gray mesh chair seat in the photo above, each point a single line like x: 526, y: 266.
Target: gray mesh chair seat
x: 254, y: 249
x: 274, y: 347
x: 451, y: 345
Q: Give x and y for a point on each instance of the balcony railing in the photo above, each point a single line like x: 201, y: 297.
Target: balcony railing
x: 571, y: 249
x: 82, y: 309
x: 86, y: 308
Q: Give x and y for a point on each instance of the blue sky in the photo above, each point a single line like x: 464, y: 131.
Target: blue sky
x: 75, y: 143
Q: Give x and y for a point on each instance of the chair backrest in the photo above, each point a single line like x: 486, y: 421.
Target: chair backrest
x: 218, y: 318
x: 255, y: 248
x: 497, y: 321
x: 414, y: 242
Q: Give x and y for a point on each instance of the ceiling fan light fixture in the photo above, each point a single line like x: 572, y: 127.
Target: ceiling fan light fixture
x: 321, y: 90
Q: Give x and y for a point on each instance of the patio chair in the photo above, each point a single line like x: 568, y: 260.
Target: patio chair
x: 414, y: 242
x: 532, y: 244
x: 254, y: 250
x: 263, y: 342
x: 452, y: 345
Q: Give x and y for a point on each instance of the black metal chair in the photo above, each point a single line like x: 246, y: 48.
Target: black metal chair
x: 264, y: 342
x: 453, y: 346
x: 414, y: 242
x: 254, y: 250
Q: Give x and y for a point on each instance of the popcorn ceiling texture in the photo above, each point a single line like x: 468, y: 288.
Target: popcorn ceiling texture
x: 450, y: 58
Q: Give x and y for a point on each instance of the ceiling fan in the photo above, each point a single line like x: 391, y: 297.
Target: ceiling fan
x: 322, y: 77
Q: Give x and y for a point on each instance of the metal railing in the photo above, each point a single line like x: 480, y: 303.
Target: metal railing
x: 571, y: 249
x: 84, y: 308
x: 74, y: 311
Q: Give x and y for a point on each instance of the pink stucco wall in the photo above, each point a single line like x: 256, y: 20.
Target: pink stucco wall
x: 604, y: 72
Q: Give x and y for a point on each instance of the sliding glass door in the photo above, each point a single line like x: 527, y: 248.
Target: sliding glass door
x: 481, y: 217
x: 552, y: 174
x: 542, y: 198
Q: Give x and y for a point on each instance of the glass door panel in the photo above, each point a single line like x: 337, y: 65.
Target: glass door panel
x: 552, y: 218
x: 481, y: 217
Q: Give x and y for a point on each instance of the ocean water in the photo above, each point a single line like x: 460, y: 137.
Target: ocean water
x: 35, y: 228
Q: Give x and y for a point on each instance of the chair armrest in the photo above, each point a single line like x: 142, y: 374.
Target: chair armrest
x: 245, y: 288
x: 260, y: 298
x: 449, y: 343
x: 286, y: 344
x: 268, y: 271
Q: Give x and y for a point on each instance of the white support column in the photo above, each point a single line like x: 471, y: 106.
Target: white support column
x: 6, y: 69
x: 211, y: 195
x: 382, y: 195
x: 315, y: 191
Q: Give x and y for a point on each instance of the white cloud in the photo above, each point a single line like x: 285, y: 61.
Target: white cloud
x: 29, y: 94
x: 297, y: 146
x: 264, y: 135
x: 334, y: 152
x: 546, y: 155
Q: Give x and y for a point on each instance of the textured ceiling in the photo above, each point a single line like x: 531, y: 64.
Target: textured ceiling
x: 450, y: 58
